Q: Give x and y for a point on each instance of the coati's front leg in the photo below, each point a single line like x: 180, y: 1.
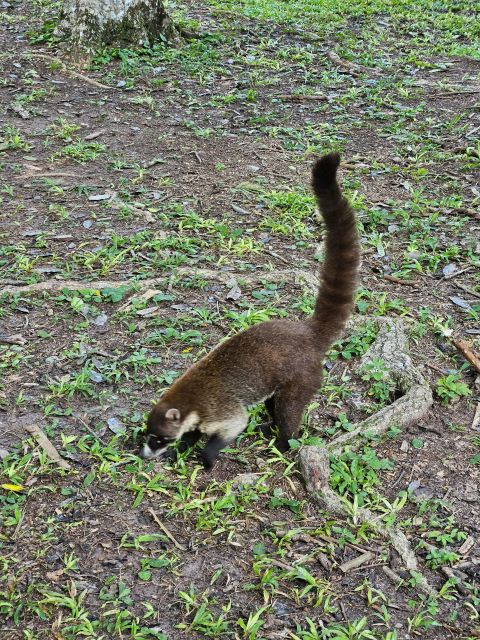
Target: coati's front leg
x: 212, y: 449
x: 223, y: 433
x: 189, y: 439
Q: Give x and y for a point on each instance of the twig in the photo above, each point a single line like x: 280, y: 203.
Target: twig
x: 74, y: 74
x: 467, y: 546
x: 399, y: 281
x: 353, y: 69
x: 298, y: 97
x: 276, y: 255
x: 467, y: 352
x: 456, y: 273
x: 53, y: 174
x: 166, y: 531
x: 470, y: 291
x: 476, y: 417
x: 454, y: 94
x: 394, y: 577
x: 16, y: 339
x: 356, y: 562
x: 47, y: 446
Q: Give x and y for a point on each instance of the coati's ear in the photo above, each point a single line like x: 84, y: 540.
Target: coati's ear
x: 173, y: 414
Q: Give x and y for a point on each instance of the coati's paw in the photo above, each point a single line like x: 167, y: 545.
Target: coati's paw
x: 208, y: 460
x: 282, y: 445
x: 170, y: 455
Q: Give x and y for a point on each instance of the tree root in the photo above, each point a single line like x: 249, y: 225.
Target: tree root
x: 297, y: 276
x: 315, y: 468
x: 391, y: 347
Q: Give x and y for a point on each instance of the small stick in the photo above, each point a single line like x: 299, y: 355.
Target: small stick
x: 53, y: 174
x: 47, y: 446
x: 74, y: 74
x: 476, y: 417
x: 468, y: 545
x: 399, y: 479
x: 166, y: 531
x: 276, y: 255
x: 16, y: 339
x: 394, y: 577
x: 297, y: 97
x: 456, y: 273
x: 356, y: 562
x: 353, y: 69
x: 453, y: 94
x: 470, y: 291
x: 467, y: 352
x: 399, y: 281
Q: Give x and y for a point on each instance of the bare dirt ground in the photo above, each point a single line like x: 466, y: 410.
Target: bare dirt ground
x: 190, y: 165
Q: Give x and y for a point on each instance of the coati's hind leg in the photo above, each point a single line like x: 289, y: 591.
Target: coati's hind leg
x: 266, y: 428
x: 290, y: 403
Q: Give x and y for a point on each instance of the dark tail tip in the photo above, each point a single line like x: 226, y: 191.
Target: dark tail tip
x: 324, y: 172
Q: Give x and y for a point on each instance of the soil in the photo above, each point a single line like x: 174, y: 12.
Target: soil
x: 49, y: 220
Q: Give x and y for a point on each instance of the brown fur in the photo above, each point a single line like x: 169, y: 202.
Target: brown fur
x: 280, y: 361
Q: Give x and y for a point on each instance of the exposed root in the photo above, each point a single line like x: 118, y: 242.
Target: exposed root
x: 54, y: 286
x: 47, y: 446
x: 315, y: 469
x: 391, y: 347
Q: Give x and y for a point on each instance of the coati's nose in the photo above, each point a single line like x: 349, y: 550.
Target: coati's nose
x: 146, y: 452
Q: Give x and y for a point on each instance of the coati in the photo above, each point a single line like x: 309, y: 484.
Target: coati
x: 278, y: 362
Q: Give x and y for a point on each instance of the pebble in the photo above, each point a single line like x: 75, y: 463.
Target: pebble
x: 245, y: 480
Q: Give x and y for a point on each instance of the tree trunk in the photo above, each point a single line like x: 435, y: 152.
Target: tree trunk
x: 88, y: 24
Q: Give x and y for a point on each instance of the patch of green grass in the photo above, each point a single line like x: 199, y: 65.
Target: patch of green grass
x: 81, y: 151
x: 12, y: 138
x: 450, y: 388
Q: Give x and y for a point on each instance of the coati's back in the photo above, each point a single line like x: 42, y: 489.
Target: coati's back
x: 280, y: 361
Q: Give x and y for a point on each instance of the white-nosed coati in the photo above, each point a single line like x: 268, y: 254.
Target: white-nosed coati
x: 277, y: 362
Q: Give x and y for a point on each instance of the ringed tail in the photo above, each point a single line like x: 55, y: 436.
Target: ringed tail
x: 339, y: 272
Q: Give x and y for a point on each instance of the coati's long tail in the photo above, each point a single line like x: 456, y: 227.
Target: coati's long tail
x: 342, y: 250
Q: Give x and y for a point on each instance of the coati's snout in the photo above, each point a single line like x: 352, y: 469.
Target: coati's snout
x: 163, y: 428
